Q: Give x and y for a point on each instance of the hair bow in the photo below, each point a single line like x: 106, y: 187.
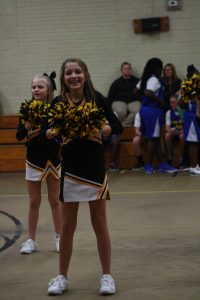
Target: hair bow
x: 52, y: 76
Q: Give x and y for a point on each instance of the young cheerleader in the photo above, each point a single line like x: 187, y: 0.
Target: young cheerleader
x: 151, y: 113
x: 192, y: 133
x: 42, y: 162
x: 83, y: 176
x: 173, y: 127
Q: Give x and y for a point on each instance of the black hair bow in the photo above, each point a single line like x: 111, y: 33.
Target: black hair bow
x: 191, y: 70
x: 52, y: 76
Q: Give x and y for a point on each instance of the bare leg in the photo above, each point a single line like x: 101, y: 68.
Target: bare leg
x: 186, y: 158
x: 193, y: 154
x: 181, y: 138
x: 137, y: 140
x: 114, y: 147
x: 150, y: 150
x: 34, y: 190
x: 162, y: 143
x: 69, y: 213
x: 53, y: 186
x: 168, y: 145
x: 158, y: 149
x: 99, y: 222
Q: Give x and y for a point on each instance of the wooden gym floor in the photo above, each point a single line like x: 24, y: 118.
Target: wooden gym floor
x: 154, y: 225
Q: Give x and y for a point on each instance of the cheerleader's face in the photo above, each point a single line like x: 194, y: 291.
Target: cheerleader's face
x: 39, y: 90
x: 173, y: 103
x: 74, y: 77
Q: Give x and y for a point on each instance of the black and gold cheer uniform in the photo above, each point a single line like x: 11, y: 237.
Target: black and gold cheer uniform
x: 83, y: 176
x: 43, y: 155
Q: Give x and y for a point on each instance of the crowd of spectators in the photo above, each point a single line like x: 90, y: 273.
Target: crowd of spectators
x: 154, y: 106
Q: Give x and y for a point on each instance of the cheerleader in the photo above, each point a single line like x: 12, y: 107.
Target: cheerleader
x: 83, y: 174
x: 151, y: 114
x: 42, y: 163
x: 197, y: 100
x: 192, y: 133
x: 173, y: 127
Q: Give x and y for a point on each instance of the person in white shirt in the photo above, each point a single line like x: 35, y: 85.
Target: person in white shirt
x: 151, y: 113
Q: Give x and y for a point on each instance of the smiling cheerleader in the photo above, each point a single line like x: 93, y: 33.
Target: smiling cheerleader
x: 83, y: 169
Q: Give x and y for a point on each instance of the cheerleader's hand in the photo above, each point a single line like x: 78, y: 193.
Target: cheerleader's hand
x: 28, y: 126
x: 51, y: 133
x: 106, y: 131
x: 196, y: 98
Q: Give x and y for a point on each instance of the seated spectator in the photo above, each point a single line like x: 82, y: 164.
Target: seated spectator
x: 137, y: 142
x: 171, y: 83
x: 121, y: 97
x: 173, y: 127
x: 124, y: 105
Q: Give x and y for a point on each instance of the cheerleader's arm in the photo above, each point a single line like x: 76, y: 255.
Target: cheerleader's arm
x: 21, y: 131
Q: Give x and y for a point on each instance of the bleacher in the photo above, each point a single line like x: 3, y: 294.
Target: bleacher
x: 13, y: 152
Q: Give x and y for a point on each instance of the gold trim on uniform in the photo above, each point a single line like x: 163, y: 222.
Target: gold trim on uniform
x: 104, y: 191
x: 35, y: 173
x: 80, y: 180
x: 77, y: 189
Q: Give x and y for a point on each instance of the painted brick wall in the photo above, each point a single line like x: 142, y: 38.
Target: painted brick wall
x: 36, y: 36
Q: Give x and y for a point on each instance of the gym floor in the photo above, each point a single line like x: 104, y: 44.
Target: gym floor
x: 154, y: 225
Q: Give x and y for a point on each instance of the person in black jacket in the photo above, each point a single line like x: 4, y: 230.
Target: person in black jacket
x: 125, y: 105
x: 121, y: 97
x: 42, y: 163
x: 83, y: 175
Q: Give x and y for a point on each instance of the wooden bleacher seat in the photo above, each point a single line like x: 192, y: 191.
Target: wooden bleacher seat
x: 126, y: 158
x: 9, y: 122
x: 13, y: 152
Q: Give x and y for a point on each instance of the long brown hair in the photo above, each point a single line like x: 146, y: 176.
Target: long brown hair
x: 89, y: 92
x: 174, y: 76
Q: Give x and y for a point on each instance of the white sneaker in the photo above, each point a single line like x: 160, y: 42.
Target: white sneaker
x: 107, y: 285
x: 28, y: 247
x: 57, y: 241
x: 194, y: 171
x: 57, y: 285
